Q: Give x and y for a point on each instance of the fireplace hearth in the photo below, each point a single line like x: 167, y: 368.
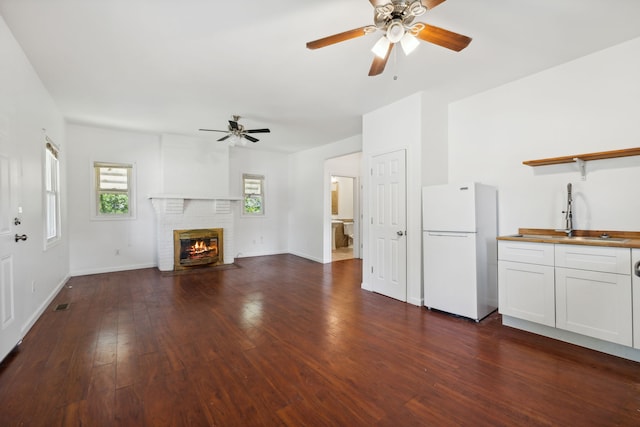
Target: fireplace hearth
x: 197, y: 248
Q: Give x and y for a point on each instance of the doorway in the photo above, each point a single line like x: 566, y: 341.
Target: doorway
x: 342, y: 208
x: 343, y: 218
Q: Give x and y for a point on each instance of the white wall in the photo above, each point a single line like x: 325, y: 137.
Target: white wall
x: 98, y: 246
x: 196, y: 167
x: 261, y: 235
x: 435, y: 144
x: 391, y: 128
x: 309, y: 197
x: 588, y: 105
x: 26, y: 108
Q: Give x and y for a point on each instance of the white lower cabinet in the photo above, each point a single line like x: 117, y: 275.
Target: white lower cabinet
x: 526, y: 281
x: 579, y: 288
x: 595, y: 304
x: 526, y: 291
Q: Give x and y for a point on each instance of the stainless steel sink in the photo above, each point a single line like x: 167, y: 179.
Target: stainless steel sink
x: 596, y: 239
x: 576, y: 238
x: 534, y: 236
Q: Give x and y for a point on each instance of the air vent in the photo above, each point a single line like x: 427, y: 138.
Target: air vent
x: 62, y: 307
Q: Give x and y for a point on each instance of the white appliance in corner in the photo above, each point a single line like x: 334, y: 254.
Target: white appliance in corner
x: 635, y: 283
x: 460, y: 249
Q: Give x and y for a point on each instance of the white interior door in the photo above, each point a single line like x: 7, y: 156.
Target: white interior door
x: 388, y: 225
x: 9, y: 187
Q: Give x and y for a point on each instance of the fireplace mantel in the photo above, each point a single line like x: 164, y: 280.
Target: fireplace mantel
x: 192, y: 197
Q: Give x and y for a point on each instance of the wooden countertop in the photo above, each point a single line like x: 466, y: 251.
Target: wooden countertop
x: 621, y: 239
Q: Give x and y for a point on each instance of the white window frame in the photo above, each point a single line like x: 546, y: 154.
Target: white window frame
x: 51, y: 203
x: 96, y: 191
x: 246, y: 195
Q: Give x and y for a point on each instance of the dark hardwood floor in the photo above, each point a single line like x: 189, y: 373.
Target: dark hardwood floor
x: 283, y: 341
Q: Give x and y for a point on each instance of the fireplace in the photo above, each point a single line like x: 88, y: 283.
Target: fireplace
x: 197, y: 248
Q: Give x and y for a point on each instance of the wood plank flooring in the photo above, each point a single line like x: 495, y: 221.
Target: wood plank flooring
x: 283, y: 341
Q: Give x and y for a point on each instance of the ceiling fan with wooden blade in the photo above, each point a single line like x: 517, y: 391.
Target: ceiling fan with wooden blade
x: 238, y: 131
x: 395, y: 19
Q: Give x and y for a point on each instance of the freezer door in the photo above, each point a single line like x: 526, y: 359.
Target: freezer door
x: 449, y: 208
x: 450, y: 280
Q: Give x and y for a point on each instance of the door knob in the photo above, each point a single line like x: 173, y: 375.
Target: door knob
x: 23, y: 237
x: 400, y: 233
x: 636, y: 268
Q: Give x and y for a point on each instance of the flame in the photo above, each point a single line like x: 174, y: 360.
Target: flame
x: 200, y: 247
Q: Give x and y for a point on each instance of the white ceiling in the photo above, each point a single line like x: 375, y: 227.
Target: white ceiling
x: 173, y: 66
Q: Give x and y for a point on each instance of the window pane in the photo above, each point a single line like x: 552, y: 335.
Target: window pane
x: 253, y: 204
x: 49, y: 171
x: 51, y: 217
x: 252, y: 186
x: 113, y: 178
x: 114, y: 203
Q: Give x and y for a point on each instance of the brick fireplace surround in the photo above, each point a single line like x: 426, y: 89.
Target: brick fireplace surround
x: 181, y: 213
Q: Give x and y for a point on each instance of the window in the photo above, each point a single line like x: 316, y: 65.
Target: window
x: 52, y: 193
x: 253, y: 194
x: 113, y: 190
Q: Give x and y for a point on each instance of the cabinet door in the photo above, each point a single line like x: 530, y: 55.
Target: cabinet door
x: 526, y: 291
x: 594, y: 304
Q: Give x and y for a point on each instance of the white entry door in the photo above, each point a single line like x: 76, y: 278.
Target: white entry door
x: 9, y: 187
x: 388, y: 224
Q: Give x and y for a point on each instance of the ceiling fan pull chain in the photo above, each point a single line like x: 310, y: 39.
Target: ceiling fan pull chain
x: 395, y: 65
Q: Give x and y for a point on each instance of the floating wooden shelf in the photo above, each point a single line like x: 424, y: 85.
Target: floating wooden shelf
x: 584, y: 157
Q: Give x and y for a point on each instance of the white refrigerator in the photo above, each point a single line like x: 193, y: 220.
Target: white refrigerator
x: 460, y: 249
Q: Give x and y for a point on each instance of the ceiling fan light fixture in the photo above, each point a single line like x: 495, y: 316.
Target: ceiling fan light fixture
x: 395, y: 31
x: 381, y: 47
x: 409, y: 43
x: 417, y: 8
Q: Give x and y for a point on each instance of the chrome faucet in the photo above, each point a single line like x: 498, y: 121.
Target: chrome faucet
x: 568, y: 214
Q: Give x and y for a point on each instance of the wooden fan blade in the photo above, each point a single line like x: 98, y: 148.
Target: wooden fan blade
x: 250, y: 138
x: 430, y: 4
x: 336, y: 38
x: 214, y: 130
x: 224, y: 137
x: 378, y: 64
x: 233, y: 124
x: 444, y: 38
x: 258, y: 131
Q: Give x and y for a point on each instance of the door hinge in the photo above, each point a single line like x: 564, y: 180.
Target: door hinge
x: 372, y: 269
x: 371, y: 171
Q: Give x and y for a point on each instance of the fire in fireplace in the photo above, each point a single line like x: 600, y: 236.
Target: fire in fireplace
x: 197, y: 248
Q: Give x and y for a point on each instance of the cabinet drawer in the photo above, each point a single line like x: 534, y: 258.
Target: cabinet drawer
x: 594, y: 258
x: 528, y: 252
